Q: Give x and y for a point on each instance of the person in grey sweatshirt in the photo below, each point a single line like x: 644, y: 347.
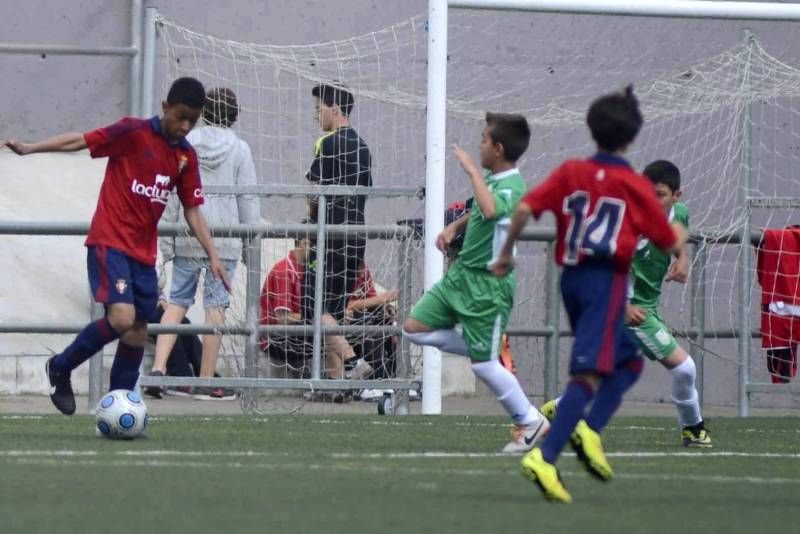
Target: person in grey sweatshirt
x: 224, y: 159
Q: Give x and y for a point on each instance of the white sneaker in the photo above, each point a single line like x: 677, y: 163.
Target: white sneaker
x: 361, y: 370
x: 368, y: 395
x: 524, y: 438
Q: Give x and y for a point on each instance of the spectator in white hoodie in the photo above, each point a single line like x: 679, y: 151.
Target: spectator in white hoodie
x: 224, y: 159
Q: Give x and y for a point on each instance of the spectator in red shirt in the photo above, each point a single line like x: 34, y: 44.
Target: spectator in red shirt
x: 147, y: 160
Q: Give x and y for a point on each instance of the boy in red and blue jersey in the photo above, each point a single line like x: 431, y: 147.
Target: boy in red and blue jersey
x: 147, y: 159
x: 601, y: 207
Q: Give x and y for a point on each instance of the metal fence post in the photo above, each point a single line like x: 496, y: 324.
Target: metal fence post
x: 552, y: 316
x: 149, y: 62
x: 745, y: 251
x: 252, y: 311
x: 135, y: 85
x: 319, y: 289
x: 697, y: 290
x: 404, y: 288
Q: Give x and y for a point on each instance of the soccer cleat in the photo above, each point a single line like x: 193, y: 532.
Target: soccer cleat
x: 154, y: 391
x: 696, y: 436
x: 506, y: 359
x: 60, y: 389
x: 548, y: 409
x: 544, y: 475
x: 589, y: 448
x: 524, y: 437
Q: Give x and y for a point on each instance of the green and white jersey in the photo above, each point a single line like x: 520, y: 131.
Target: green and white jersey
x: 485, y: 237
x: 650, y: 265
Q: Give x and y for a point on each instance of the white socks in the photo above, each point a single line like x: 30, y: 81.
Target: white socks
x: 507, y: 390
x: 445, y: 340
x: 684, y: 393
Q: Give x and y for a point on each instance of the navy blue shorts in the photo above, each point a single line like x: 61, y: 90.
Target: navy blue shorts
x: 115, y: 277
x: 594, y: 298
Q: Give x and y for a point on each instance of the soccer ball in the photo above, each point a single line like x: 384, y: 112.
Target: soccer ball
x: 121, y: 414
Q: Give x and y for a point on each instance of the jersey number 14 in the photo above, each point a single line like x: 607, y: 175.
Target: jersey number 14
x: 592, y: 234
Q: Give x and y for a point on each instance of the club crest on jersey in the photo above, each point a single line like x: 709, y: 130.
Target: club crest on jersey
x: 182, y: 163
x: 121, y: 286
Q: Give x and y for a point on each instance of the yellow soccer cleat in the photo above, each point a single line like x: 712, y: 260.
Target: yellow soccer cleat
x: 696, y: 436
x: 548, y: 410
x: 589, y: 448
x: 544, y: 475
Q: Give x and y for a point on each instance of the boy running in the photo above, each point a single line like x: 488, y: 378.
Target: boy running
x: 601, y: 207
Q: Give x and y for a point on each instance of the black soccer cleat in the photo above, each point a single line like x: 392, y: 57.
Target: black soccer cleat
x: 60, y: 389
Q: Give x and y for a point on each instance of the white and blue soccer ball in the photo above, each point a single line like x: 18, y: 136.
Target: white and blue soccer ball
x: 121, y: 414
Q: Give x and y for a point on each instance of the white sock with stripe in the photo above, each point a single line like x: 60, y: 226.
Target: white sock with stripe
x: 506, y: 388
x: 684, y: 393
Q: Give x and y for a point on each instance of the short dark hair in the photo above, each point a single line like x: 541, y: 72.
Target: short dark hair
x: 188, y: 91
x: 335, y: 95
x: 615, y: 119
x: 510, y: 130
x: 664, y: 172
x: 221, y: 107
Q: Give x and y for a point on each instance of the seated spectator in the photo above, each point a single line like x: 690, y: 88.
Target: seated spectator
x: 368, y: 307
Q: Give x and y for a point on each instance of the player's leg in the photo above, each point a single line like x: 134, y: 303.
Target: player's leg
x: 130, y: 349
x: 594, y: 298
x: 686, y: 399
x: 110, y: 282
x: 216, y: 300
x: 432, y: 320
x: 482, y: 304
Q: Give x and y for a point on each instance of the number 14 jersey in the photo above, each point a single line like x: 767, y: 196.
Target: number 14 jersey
x: 602, y: 207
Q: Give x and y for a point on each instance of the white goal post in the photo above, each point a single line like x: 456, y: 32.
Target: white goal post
x: 436, y: 128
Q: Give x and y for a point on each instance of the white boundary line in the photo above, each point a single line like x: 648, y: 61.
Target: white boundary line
x: 161, y: 464
x: 56, y: 453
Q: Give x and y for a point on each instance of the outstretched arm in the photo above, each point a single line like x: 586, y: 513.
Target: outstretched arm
x: 65, y: 142
x: 197, y: 222
x: 483, y: 197
x: 505, y: 259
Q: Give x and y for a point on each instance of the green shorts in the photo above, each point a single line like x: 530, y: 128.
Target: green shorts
x: 654, y: 338
x: 477, y: 300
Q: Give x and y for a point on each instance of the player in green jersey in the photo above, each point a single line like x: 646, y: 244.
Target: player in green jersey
x: 650, y: 268
x: 469, y: 294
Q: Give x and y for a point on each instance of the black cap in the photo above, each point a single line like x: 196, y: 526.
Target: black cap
x: 334, y: 95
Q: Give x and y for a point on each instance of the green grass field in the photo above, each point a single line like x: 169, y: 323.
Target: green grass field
x: 371, y: 474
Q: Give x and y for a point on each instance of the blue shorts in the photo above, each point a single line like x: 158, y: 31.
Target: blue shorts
x: 594, y: 298
x: 115, y: 277
x: 185, y: 275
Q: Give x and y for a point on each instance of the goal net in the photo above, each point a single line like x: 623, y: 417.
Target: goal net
x: 699, y: 82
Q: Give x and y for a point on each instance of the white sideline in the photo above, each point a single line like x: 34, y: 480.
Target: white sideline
x: 379, y: 455
x: 721, y: 479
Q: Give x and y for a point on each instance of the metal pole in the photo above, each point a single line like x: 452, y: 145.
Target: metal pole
x: 552, y: 317
x: 252, y: 312
x: 149, y: 62
x: 698, y: 312
x: 135, y: 86
x: 663, y: 8
x: 434, y: 187
x: 745, y: 251
x: 319, y: 289
x: 96, y: 311
x: 403, y: 357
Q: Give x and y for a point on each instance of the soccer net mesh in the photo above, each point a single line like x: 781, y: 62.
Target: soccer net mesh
x: 695, y: 79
